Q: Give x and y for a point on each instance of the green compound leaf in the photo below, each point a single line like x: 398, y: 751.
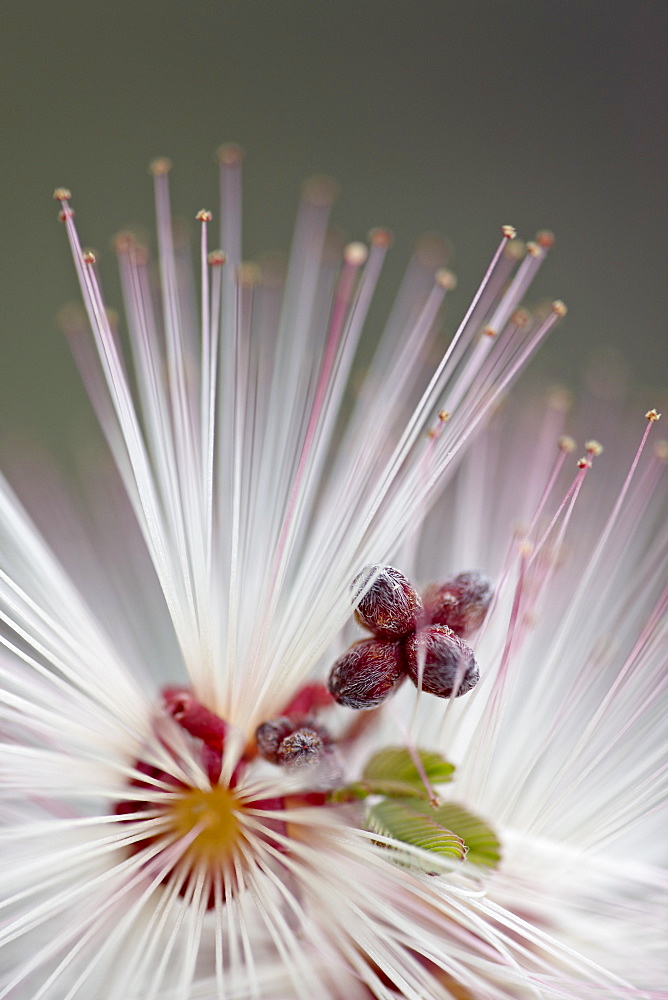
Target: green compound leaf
x: 482, y: 843
x: 397, y: 764
x: 416, y: 826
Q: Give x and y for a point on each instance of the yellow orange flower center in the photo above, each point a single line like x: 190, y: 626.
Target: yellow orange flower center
x: 214, y: 813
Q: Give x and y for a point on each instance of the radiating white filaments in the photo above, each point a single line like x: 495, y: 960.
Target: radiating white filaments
x: 246, y: 496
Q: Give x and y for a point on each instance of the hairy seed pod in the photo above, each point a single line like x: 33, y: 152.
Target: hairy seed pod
x: 292, y: 741
x: 448, y: 664
x: 460, y: 602
x: 391, y: 606
x: 367, y: 673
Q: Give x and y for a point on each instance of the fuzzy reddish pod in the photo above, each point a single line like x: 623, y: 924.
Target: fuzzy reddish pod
x: 292, y: 741
x: 391, y: 606
x: 440, y: 662
x: 367, y: 673
x: 460, y: 602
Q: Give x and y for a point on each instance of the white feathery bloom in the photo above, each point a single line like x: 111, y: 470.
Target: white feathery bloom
x: 187, y: 815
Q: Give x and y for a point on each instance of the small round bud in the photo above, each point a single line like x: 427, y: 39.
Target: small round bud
x: 368, y: 673
x: 291, y: 742
x: 391, y: 606
x: 448, y: 664
x: 460, y: 602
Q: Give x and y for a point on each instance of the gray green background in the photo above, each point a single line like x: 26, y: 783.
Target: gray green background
x: 455, y: 116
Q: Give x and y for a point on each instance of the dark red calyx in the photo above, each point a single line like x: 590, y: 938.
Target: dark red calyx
x: 460, y: 602
x: 194, y: 717
x: 391, y: 607
x: 367, y: 673
x: 310, y: 698
x: 292, y: 741
x: 448, y: 669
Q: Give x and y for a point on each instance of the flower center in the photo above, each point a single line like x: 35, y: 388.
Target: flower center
x: 213, y: 815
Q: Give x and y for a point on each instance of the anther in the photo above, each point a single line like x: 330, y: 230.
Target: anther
x: 566, y: 443
x: 248, y: 274
x: 652, y: 416
x: 230, y: 154
x: 355, y: 254
x: 380, y: 237
x: 661, y: 450
x: 545, y: 239
x: 515, y: 249
x: 62, y: 194
x: 593, y: 448
x: 509, y: 232
x: 216, y: 258
x: 88, y: 257
x: 521, y: 317
x: 559, y: 308
x: 160, y: 166
x: 560, y: 399
x: 446, y: 279
x: 124, y: 242
x: 204, y: 215
x: 320, y: 191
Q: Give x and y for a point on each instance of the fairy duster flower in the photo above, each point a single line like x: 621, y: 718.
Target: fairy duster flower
x: 195, y: 805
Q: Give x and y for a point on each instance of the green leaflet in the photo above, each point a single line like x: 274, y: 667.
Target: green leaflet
x: 407, y: 813
x: 401, y: 820
x: 483, y: 847
x: 391, y: 789
x: 396, y: 764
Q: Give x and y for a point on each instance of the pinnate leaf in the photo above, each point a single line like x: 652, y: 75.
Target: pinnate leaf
x: 482, y: 843
x: 397, y: 764
x: 418, y: 827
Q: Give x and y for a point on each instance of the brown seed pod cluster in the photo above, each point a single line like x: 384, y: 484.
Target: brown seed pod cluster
x: 419, y: 637
x: 292, y: 742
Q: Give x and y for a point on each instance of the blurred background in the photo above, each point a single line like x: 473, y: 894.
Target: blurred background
x: 447, y: 115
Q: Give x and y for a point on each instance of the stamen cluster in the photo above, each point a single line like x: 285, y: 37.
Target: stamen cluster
x: 414, y: 636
